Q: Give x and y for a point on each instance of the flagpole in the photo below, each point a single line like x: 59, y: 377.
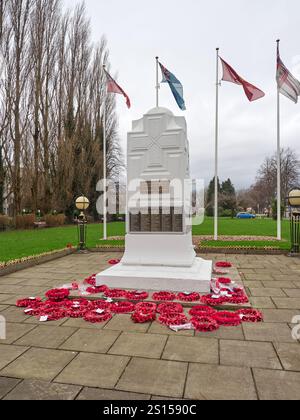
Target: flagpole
x: 104, y: 171
x: 157, y: 82
x: 216, y: 204
x: 279, y: 230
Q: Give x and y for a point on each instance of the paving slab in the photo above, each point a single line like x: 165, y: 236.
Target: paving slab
x: 294, y: 293
x: 266, y: 292
x: 289, y: 355
x: 192, y: 349
x: 9, y: 354
x: 46, y: 336
x: 248, y: 354
x: 82, y: 324
x: 205, y: 382
x: 275, y: 385
x: 279, y: 315
x: 140, y: 345
x: 41, y: 364
x: 94, y: 370
x: 226, y: 333
x: 154, y: 377
x: 287, y: 303
x: 268, y: 332
x: 88, y: 340
x: 262, y: 302
x: 31, y: 390
x: 13, y: 314
x: 15, y: 331
x: 6, y: 385
x: 124, y: 323
x: 157, y: 328
x: 94, y: 394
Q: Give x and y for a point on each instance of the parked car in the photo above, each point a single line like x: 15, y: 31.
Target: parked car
x: 245, y: 216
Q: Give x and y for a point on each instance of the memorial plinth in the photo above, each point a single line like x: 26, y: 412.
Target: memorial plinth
x: 159, y: 251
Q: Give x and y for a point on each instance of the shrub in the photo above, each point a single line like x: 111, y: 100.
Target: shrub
x: 5, y: 222
x: 53, y: 220
x: 25, y: 221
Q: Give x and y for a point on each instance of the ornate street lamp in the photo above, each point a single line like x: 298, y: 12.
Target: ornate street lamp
x: 294, y: 203
x: 82, y: 204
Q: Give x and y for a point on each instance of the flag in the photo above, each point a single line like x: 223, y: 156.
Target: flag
x: 113, y: 87
x: 175, y: 86
x: 230, y: 75
x: 287, y: 84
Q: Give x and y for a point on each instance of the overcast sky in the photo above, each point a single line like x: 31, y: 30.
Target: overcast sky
x: 185, y: 34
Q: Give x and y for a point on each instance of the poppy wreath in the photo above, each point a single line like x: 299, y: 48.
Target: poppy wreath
x: 140, y: 317
x: 227, y: 319
x: 173, y: 319
x: 57, y: 295
x: 200, y: 311
x: 250, y: 315
x: 208, y: 300
x: 100, y: 304
x: 122, y: 307
x: 115, y: 293
x: 224, y: 280
x: 204, y: 324
x: 41, y: 309
x: 192, y: 297
x: 91, y: 280
x: 170, y: 308
x: 238, y: 299
x: 79, y: 302
x: 95, y: 290
x: 95, y: 318
x: 223, y: 264
x: 114, y: 262
x: 77, y: 312
x: 136, y: 295
x: 28, y: 303
x: 164, y: 296
x: 146, y: 307
x: 54, y: 314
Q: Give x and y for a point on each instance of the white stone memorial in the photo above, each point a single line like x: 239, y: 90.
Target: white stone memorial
x: 159, y: 251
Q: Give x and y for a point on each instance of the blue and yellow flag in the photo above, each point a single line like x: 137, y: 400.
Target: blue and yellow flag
x: 175, y: 86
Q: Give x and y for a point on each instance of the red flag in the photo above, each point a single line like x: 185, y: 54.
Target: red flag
x: 113, y: 87
x: 230, y: 75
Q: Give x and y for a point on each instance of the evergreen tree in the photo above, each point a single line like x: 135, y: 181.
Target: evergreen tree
x: 228, y: 198
x: 210, y: 197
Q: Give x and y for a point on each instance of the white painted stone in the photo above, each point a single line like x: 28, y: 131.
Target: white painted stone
x: 180, y: 279
x: 158, y: 150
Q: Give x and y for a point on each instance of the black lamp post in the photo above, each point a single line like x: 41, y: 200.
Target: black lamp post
x: 294, y: 204
x: 82, y: 204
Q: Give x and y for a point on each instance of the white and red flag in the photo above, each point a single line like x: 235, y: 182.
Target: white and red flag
x: 230, y: 75
x: 288, y: 85
x: 113, y: 87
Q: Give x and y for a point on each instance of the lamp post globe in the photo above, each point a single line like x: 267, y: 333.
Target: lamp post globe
x: 294, y: 198
x: 82, y: 203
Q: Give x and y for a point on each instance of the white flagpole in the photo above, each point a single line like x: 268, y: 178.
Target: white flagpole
x: 157, y: 82
x: 216, y: 215
x: 279, y: 230
x: 104, y: 171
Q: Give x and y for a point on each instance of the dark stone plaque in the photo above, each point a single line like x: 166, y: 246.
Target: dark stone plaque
x: 135, y: 222
x: 146, y: 222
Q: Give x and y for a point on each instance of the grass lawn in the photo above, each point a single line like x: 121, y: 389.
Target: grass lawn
x: 18, y: 244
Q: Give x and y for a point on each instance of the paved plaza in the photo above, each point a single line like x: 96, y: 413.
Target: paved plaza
x: 71, y: 359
